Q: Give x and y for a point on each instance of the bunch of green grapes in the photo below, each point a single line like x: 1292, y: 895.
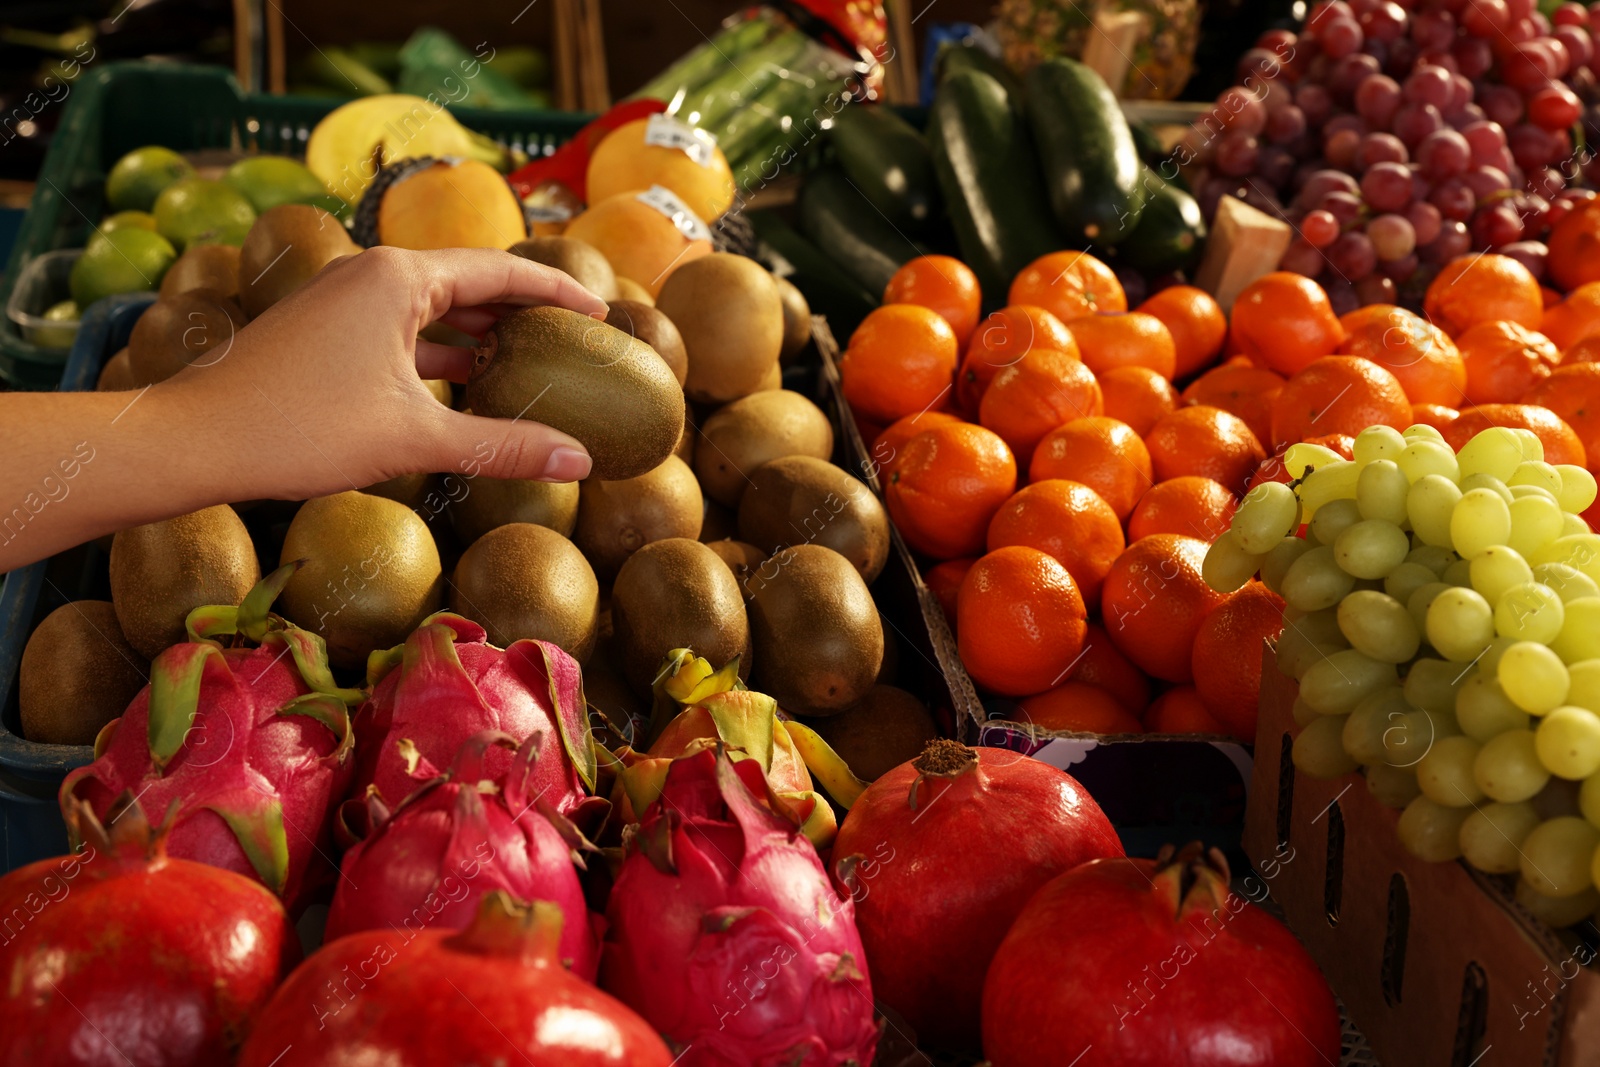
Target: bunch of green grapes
x: 1442, y: 616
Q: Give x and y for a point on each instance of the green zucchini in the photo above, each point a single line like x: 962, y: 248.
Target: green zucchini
x: 1171, y: 230
x: 844, y: 224
x: 989, y: 177
x: 827, y: 289
x: 958, y: 57
x: 1091, y: 166
x: 888, y: 160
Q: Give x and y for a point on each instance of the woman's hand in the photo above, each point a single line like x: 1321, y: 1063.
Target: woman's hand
x: 322, y: 393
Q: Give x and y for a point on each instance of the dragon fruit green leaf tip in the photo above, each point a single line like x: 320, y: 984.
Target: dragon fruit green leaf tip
x: 725, y: 933
x: 249, y: 746
x: 456, y: 838
x: 447, y: 683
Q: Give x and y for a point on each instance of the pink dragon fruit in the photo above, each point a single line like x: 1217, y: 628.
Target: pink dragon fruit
x: 725, y: 933
x: 457, y: 838
x: 450, y: 684
x: 249, y: 749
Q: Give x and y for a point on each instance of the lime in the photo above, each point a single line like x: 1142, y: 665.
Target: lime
x: 267, y: 181
x: 138, y: 177
x: 197, y: 210
x: 142, y: 219
x: 129, y: 260
x: 56, y: 337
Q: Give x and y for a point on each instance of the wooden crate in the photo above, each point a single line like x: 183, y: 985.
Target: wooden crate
x: 1437, y: 964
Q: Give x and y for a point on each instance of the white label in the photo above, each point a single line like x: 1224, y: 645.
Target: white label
x: 664, y: 130
x: 666, y: 201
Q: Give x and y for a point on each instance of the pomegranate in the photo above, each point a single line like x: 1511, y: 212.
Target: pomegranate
x: 121, y: 954
x: 493, y: 993
x: 941, y: 854
x: 1152, y: 963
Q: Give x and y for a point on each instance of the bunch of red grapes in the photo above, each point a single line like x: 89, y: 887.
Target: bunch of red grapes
x: 1396, y: 135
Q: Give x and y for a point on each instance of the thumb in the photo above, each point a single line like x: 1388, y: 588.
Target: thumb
x: 511, y: 448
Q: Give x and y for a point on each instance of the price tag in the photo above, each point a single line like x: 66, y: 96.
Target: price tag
x: 664, y: 130
x: 666, y: 201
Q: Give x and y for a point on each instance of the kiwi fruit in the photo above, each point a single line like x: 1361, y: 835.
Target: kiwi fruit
x: 676, y: 593
x: 628, y: 289
x: 773, y: 379
x: 161, y: 571
x: 194, y: 327
x: 78, y: 673
x: 525, y: 581
x: 718, y: 523
x: 284, y: 249
x: 116, y: 375
x: 796, y: 319
x: 371, y: 573
x: 685, y: 449
x: 729, y: 312
x: 592, y: 381
x: 742, y: 559
x: 571, y: 256
x: 643, y: 322
x: 214, y: 267
x: 816, y: 633
x: 885, y: 729
x: 617, y: 518
x: 491, y: 502
x: 805, y: 500
x: 755, y: 430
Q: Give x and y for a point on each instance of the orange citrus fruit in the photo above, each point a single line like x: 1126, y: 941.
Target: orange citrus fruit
x: 1181, y: 711
x: 1419, y: 354
x: 1206, y: 441
x: 1020, y: 621
x: 1190, y: 505
x: 1226, y: 658
x: 1102, y: 453
x: 1196, y: 322
x: 1550, y: 405
x: 944, y: 582
x: 1109, y: 339
x: 1074, y: 707
x: 1572, y: 395
x: 1503, y: 361
x: 1584, y: 351
x: 942, y: 284
x: 1574, y: 244
x: 1283, y: 321
x: 1066, y: 520
x: 1482, y: 287
x: 1573, y: 319
x: 1069, y: 285
x: 1137, y: 396
x: 1436, y: 415
x: 1044, y: 389
x: 1153, y: 602
x: 1240, y: 388
x: 947, y: 485
x: 901, y: 360
x: 1338, y: 394
x: 1104, y: 667
x: 887, y: 446
x: 999, y: 341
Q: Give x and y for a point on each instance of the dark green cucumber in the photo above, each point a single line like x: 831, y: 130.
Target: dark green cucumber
x: 842, y: 222
x: 827, y: 289
x: 953, y: 58
x: 989, y: 177
x: 1091, y: 166
x: 1147, y: 144
x: 888, y: 161
x: 1170, y: 231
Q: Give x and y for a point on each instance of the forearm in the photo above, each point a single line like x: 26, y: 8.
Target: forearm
x: 75, y: 466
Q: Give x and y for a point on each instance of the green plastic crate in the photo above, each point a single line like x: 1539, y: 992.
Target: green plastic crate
x: 120, y: 106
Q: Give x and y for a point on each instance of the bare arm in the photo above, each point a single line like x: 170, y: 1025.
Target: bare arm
x: 321, y: 394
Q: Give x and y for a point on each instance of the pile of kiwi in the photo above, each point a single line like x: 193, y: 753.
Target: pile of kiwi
x: 713, y: 518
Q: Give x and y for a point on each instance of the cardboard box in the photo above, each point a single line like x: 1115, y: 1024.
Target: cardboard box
x: 1436, y: 963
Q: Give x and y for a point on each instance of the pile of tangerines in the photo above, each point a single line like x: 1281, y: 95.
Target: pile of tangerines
x: 1064, y: 463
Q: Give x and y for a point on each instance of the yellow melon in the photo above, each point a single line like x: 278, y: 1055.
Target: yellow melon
x: 451, y: 205
x: 641, y: 243
x: 624, y: 161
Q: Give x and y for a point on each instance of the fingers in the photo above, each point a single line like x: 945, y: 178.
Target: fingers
x: 513, y: 448
x: 451, y: 362
x: 472, y: 277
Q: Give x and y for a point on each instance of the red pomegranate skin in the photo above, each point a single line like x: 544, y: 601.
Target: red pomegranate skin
x: 494, y: 993
x: 110, y: 957
x: 1107, y: 962
x: 937, y: 883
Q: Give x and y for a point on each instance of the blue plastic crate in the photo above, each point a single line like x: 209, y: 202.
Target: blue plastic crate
x: 31, y: 774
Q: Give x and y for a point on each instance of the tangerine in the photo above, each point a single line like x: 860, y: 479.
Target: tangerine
x: 901, y: 360
x: 944, y: 582
x: 1283, y: 321
x: 1137, y: 396
x: 1102, y: 666
x: 1338, y: 394
x: 947, y: 485
x: 1020, y: 621
x: 1044, y: 389
x: 1065, y: 520
x: 1110, y: 339
x: 1180, y: 711
x: 1189, y: 505
x: 1240, y: 388
x: 1074, y: 707
x: 1573, y: 319
x: 1482, y: 287
x: 1419, y: 354
x: 1069, y: 285
x: 891, y: 441
x: 1226, y: 658
x: 942, y: 284
x: 1436, y: 415
x: 1100, y: 452
x: 1504, y: 360
x: 1196, y: 322
x: 1206, y: 441
x: 1574, y: 247
x: 999, y: 341
x: 1572, y: 395
x: 1549, y: 405
x: 1153, y: 602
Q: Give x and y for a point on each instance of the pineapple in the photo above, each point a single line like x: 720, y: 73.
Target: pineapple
x: 1035, y: 30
